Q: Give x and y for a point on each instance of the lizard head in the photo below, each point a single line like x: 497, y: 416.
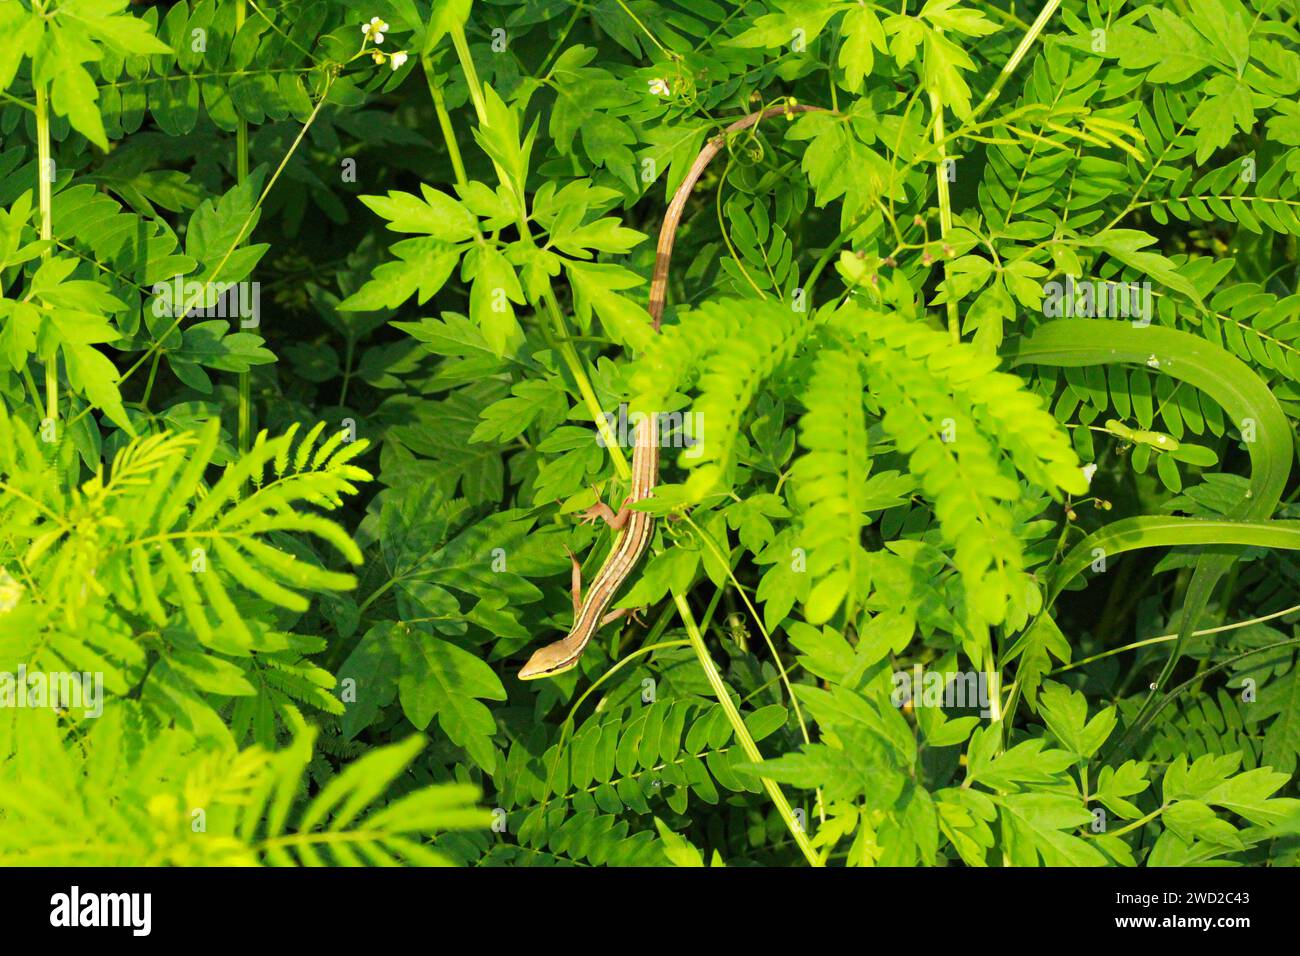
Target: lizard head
x: 549, y: 661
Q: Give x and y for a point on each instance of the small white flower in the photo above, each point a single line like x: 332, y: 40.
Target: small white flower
x: 398, y: 59
x: 1153, y: 361
x: 1088, y: 472
x: 659, y: 86
x: 374, y: 29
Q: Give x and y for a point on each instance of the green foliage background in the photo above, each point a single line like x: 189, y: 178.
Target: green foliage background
x: 308, y: 554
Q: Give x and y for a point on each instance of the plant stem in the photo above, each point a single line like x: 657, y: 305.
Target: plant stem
x: 1163, y: 638
x: 1014, y: 62
x: 995, y: 676
x: 762, y: 629
x: 1139, y: 726
x: 10, y: 98
x: 461, y: 43
x: 567, y: 352
x: 585, y: 389
x: 562, y: 344
x: 653, y: 39
x: 721, y: 691
x: 723, y: 559
x: 1143, y: 821
x: 44, y: 192
x: 444, y: 122
x: 159, y: 340
x: 241, y: 171
x: 33, y: 392
x: 945, y: 208
x: 148, y: 385
x: 347, y: 370
x: 544, y: 69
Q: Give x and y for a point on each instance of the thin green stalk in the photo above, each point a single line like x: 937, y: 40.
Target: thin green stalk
x: 565, y: 348
x: 241, y: 171
x: 33, y: 392
x: 771, y: 645
x: 579, y: 372
x: 216, y: 273
x: 287, y: 37
x: 562, y: 344
x: 46, y: 201
x: 1140, y: 822
x: 995, y: 692
x: 148, y: 385
x: 1014, y: 62
x: 725, y: 231
x: 567, y: 352
x: 1119, y: 749
x: 742, y: 733
x: 544, y: 69
x: 1163, y: 638
x: 444, y: 123
x: 753, y: 612
x: 47, y: 512
x: 348, y: 357
x: 461, y: 43
x: 1005, y: 16
x: 653, y: 39
x: 945, y: 208
x: 10, y: 98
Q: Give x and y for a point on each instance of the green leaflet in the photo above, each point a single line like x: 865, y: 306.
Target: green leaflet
x: 835, y: 471
x: 438, y: 678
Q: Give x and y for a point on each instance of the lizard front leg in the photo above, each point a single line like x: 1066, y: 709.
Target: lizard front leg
x: 606, y: 514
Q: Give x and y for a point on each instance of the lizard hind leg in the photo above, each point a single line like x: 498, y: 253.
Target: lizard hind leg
x: 628, y: 612
x: 575, y: 583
